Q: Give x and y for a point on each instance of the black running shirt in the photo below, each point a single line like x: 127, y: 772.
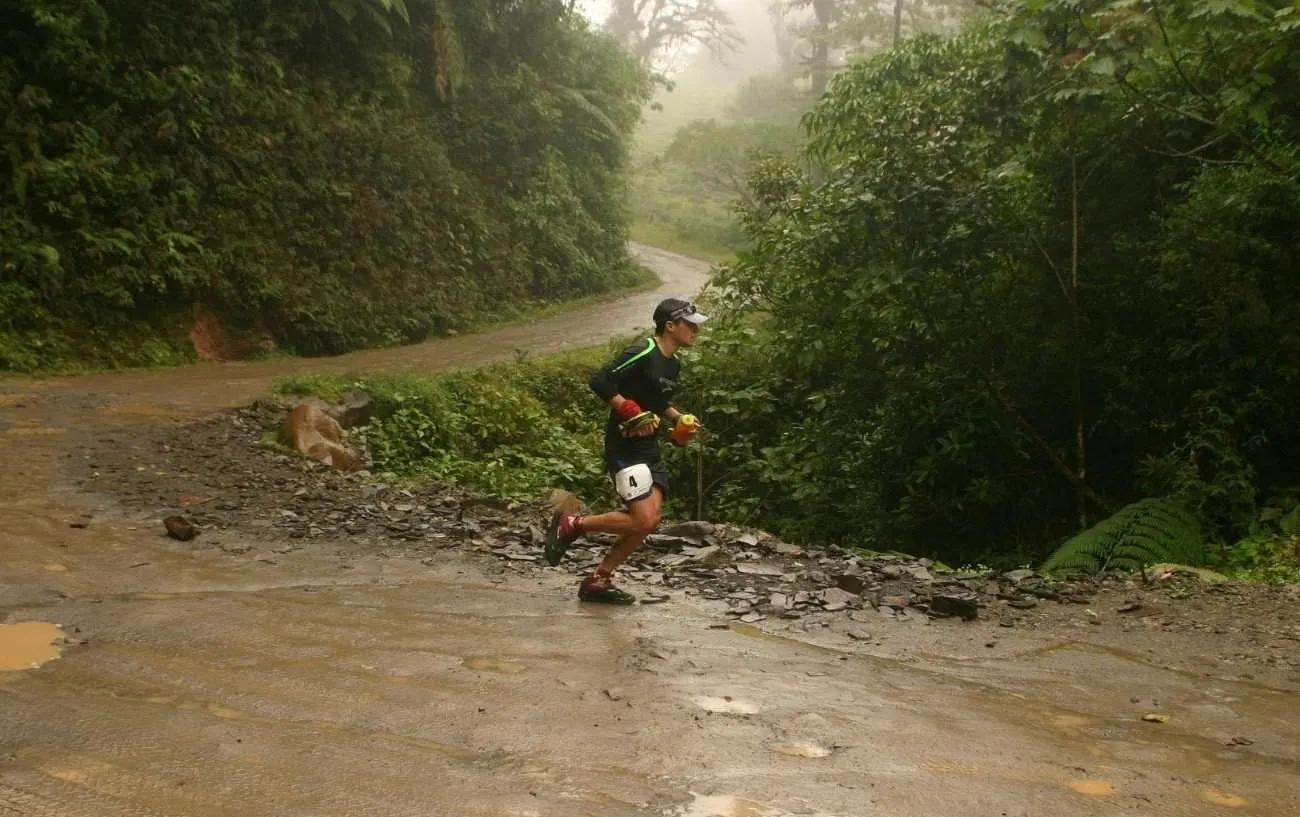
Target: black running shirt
x: 642, y: 373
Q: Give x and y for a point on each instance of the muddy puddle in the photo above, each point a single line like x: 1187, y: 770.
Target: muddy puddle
x: 726, y: 806
x: 29, y: 644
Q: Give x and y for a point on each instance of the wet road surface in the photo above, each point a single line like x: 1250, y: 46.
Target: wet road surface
x: 323, y: 681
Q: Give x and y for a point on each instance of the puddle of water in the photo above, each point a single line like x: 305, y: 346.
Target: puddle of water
x: 751, y: 631
x: 28, y: 644
x: 1093, y: 788
x: 802, y: 749
x: 495, y: 665
x: 1224, y: 798
x: 729, y: 706
x: 603, y: 799
x: 1071, y: 721
x: 225, y: 712
x: 724, y: 805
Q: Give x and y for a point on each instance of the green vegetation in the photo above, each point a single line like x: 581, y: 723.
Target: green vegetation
x: 1025, y: 277
x: 641, y: 279
x: 1025, y: 294
x: 689, y: 244
x: 1147, y: 532
x: 684, y: 198
x: 516, y: 430
x: 331, y: 174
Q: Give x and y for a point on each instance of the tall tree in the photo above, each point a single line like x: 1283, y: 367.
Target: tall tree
x: 652, y: 29
x: 830, y: 33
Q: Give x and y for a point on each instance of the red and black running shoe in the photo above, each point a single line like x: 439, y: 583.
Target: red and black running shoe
x: 564, y: 530
x: 599, y: 587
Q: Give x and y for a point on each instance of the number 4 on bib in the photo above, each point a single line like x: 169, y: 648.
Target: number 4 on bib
x: 634, y: 482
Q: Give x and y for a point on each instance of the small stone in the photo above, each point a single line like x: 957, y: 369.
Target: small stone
x: 700, y: 554
x: 752, y: 618
x: 859, y: 635
x: 850, y: 583
x: 834, y: 595
x: 178, y: 527
x: 614, y: 694
x: 920, y: 574
x: 962, y: 607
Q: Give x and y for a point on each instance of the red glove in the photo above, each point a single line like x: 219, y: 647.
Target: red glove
x: 628, y: 409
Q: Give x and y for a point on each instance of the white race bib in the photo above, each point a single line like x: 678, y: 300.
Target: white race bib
x: 634, y: 482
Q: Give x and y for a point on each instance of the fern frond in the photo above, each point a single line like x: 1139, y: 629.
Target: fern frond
x: 1149, y: 531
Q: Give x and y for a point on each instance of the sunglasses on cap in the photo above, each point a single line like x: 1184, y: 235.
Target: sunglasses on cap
x: 687, y: 313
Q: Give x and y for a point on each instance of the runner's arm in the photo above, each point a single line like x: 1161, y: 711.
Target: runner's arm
x: 607, y: 380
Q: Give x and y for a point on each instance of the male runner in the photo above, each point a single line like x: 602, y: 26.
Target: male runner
x: 638, y: 385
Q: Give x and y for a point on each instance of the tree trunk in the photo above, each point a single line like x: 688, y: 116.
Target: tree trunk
x: 821, y: 56
x: 1077, y: 330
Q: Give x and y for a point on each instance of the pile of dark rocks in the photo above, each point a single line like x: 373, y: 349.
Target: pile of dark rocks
x: 220, y: 475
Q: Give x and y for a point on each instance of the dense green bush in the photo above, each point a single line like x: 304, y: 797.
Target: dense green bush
x: 338, y: 174
x: 1036, y: 273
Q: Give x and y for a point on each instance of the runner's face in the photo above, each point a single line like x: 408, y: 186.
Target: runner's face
x: 684, y: 332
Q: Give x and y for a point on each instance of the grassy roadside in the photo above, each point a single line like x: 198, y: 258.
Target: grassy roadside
x: 666, y: 238
x: 514, y: 429
x: 645, y: 280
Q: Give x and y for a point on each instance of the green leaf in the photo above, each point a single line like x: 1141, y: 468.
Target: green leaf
x: 1147, y: 532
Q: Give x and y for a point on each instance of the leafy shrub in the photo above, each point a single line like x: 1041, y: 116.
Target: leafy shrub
x: 1146, y: 532
x: 1031, y: 274
x: 515, y: 430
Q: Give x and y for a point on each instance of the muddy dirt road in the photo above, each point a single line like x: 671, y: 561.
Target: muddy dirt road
x: 334, y: 680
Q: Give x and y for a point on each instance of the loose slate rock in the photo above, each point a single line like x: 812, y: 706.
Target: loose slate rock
x: 178, y: 527
x: 958, y: 606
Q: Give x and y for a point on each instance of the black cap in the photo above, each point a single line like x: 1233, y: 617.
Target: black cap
x: 675, y: 309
